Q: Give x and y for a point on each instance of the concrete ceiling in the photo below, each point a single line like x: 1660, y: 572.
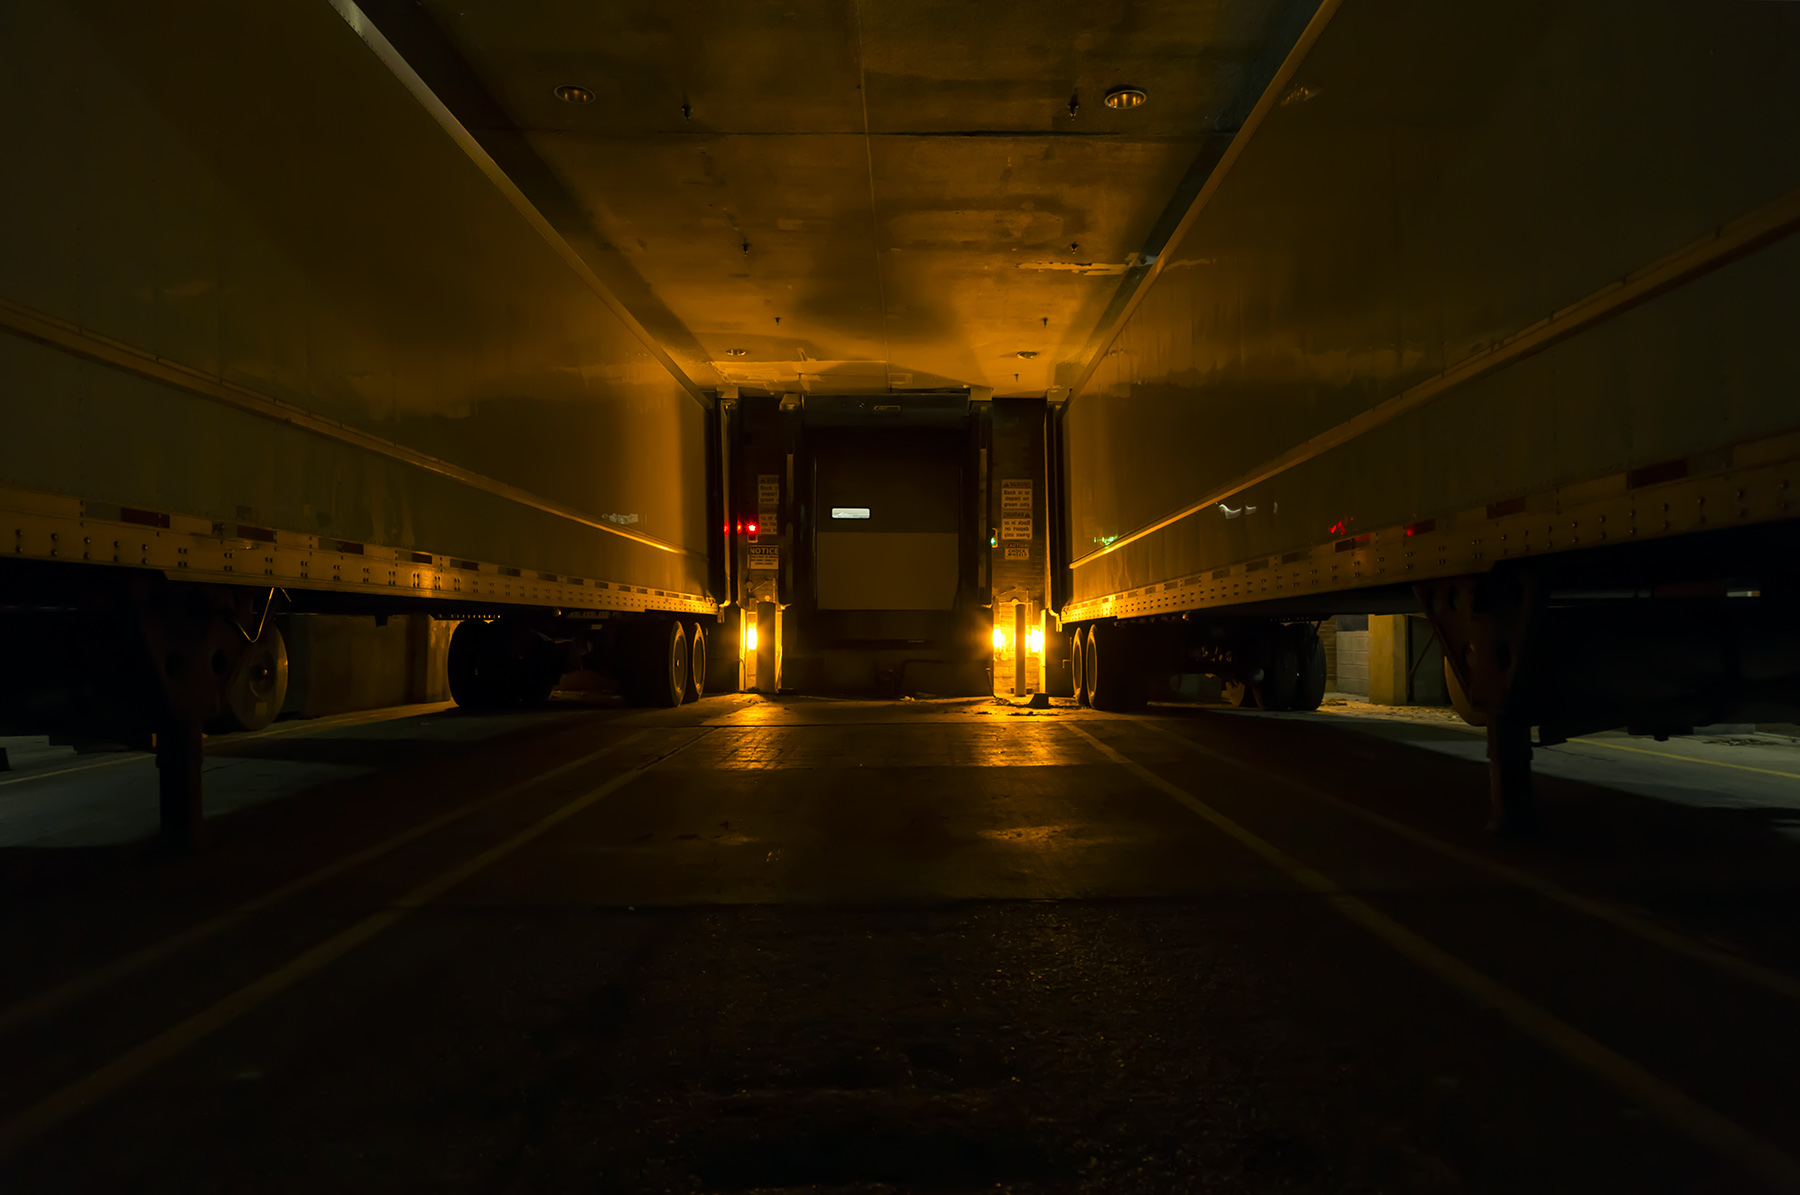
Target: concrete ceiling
x: 856, y: 195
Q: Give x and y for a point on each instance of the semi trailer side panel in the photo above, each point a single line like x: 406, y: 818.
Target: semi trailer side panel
x: 1481, y: 279
x: 257, y: 286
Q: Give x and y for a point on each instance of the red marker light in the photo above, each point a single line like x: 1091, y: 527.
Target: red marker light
x: 753, y: 529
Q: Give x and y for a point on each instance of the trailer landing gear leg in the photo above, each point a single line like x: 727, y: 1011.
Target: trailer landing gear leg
x: 1513, y: 811
x: 1488, y: 625
x: 179, y: 757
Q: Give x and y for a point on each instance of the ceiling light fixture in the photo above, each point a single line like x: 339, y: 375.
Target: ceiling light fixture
x: 569, y: 93
x: 1027, y: 354
x: 737, y: 352
x: 1125, y: 97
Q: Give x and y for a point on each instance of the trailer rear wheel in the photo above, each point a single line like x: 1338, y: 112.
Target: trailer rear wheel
x: 1309, y: 650
x: 1078, y: 663
x: 1089, y: 653
x: 656, y: 665
x: 696, y: 664
x: 1280, y: 682
x: 1115, y: 674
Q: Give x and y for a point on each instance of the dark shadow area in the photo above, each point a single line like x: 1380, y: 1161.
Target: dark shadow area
x: 1729, y: 871
x: 406, y: 782
x: 925, y: 1144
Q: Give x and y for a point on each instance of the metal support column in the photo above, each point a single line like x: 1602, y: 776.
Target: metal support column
x: 1513, y: 810
x: 1021, y: 649
x: 179, y: 758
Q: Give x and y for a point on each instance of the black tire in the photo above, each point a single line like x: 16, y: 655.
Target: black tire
x: 696, y: 667
x: 501, y: 665
x: 1089, y: 660
x: 1280, y: 672
x: 1078, y: 663
x: 257, y: 686
x: 1115, y: 674
x: 1309, y: 692
x: 471, y: 665
x: 656, y: 667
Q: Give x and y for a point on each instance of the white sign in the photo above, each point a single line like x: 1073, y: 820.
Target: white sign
x: 765, y: 556
x: 768, y: 502
x: 1015, y: 528
x: 1015, y: 496
x: 1017, y: 553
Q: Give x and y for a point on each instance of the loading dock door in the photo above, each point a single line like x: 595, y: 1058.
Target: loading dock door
x: 886, y: 512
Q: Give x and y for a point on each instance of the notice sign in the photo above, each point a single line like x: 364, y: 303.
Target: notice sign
x: 1018, y: 553
x: 768, y: 503
x: 1015, y: 509
x: 766, y: 557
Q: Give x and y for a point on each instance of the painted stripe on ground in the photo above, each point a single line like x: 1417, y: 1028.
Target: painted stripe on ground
x: 89, y: 982
x: 1736, y: 966
x: 1672, y: 1106
x: 98, y: 1085
x: 1716, y: 763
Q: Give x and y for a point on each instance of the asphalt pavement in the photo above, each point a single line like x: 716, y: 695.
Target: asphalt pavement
x: 785, y: 945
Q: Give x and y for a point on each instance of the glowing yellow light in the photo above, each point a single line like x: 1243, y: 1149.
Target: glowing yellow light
x: 1037, y: 641
x: 749, y: 636
x: 999, y: 639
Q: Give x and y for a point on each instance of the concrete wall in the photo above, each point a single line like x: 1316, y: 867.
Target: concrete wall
x: 1387, y: 659
x: 339, y: 663
x: 1405, y: 662
x: 1349, y: 661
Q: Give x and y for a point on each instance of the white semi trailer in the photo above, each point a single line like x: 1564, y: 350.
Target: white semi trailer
x: 1491, y: 319
x: 276, y: 335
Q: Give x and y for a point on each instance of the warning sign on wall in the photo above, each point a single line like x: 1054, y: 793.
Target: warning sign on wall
x: 768, y: 502
x: 1019, y: 552
x: 1015, y: 496
x: 765, y: 556
x: 1015, y: 528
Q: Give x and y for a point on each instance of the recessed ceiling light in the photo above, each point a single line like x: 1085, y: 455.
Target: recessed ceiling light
x: 1027, y: 354
x: 737, y: 352
x: 1125, y: 97
x: 569, y: 93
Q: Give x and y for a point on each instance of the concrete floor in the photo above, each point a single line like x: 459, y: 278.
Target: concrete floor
x: 917, y: 946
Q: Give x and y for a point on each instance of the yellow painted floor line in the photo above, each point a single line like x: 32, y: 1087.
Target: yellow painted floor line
x: 1724, y: 961
x: 1668, y: 1103
x: 1711, y: 763
x: 50, y: 999
x: 96, y: 1086
x: 386, y: 713
x: 124, y: 757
